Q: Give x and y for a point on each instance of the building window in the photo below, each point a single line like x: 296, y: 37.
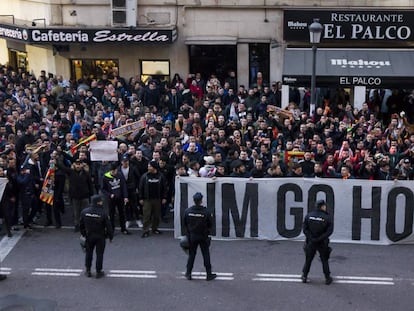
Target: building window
x: 94, y: 68
x: 18, y: 60
x: 216, y: 60
x: 259, y: 64
x: 155, y: 70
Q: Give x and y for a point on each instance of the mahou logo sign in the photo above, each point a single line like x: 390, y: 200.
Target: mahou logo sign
x: 360, y: 63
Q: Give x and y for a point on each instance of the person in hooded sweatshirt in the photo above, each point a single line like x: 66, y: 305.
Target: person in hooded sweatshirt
x: 115, y: 189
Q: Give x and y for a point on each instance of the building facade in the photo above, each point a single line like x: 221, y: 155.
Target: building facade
x: 157, y: 37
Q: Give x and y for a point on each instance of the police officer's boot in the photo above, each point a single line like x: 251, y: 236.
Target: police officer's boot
x: 88, y: 273
x: 188, y: 276
x: 304, y: 278
x: 328, y: 280
x: 100, y: 274
x: 210, y: 276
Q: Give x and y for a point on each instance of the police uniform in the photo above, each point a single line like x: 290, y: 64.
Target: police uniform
x: 198, y: 222
x: 317, y: 227
x: 96, y: 227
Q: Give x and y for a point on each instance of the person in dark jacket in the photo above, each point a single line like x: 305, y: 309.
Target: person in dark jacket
x: 58, y: 205
x: 95, y: 226
x: 308, y: 165
x: 13, y: 192
x: 26, y: 183
x: 115, y: 189
x: 169, y: 173
x: 80, y: 187
x: 131, y: 175
x: 317, y: 227
x: 38, y: 169
x: 8, y: 199
x: 198, y: 222
x: 153, y: 192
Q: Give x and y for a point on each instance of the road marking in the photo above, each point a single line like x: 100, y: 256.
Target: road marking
x: 7, y: 244
x: 364, y: 280
x: 278, y: 275
x: 57, y: 272
x: 139, y: 274
x: 267, y: 277
x: 276, y: 280
x: 132, y: 271
x: 221, y: 276
x: 367, y: 278
x: 5, y: 271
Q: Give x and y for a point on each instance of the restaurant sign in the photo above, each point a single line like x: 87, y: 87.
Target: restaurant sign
x: 355, y: 26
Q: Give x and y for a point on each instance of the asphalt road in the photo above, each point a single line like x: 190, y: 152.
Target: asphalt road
x: 45, y: 272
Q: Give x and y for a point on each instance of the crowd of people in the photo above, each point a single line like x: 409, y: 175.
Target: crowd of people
x: 193, y: 127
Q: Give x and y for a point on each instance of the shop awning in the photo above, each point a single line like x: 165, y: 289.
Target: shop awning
x: 346, y: 67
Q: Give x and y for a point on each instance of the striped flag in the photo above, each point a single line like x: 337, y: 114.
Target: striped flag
x: 48, y: 188
x: 82, y: 142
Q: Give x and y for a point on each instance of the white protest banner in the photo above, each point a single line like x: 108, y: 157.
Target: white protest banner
x: 103, y: 150
x: 3, y: 182
x: 364, y: 211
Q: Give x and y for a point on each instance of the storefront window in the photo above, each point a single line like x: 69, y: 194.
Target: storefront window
x: 215, y: 60
x: 93, y: 68
x: 259, y: 64
x: 155, y: 69
x: 18, y: 59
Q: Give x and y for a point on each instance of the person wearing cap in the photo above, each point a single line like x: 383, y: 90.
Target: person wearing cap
x: 317, y: 227
x: 153, y: 192
x: 405, y: 170
x: 198, y: 222
x: 114, y: 187
x: 95, y: 226
x: 209, y: 169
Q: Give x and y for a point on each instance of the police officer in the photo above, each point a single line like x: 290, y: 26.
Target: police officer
x: 198, y: 222
x: 96, y: 227
x: 317, y: 227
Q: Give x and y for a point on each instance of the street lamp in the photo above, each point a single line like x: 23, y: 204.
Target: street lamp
x: 315, y: 32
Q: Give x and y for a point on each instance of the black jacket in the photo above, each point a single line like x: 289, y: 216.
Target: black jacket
x: 153, y: 186
x: 94, y: 222
x: 318, y: 226
x: 80, y: 182
x: 198, y: 222
x: 132, y: 180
